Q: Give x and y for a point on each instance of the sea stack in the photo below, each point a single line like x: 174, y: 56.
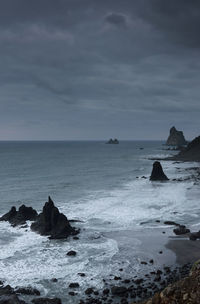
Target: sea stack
x: 113, y: 141
x: 176, y: 138
x: 53, y: 223
x: 157, y: 173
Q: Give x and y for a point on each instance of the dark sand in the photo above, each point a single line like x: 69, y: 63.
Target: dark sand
x: 186, y: 251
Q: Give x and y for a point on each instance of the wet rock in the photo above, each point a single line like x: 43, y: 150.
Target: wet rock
x: 19, y: 217
x: 6, y: 290
x: 171, y: 223
x: 157, y: 173
x: 27, y: 291
x: 71, y: 293
x: 194, y: 236
x: 54, y: 280
x: 74, y: 285
x: 47, y: 301
x: 89, y: 291
x: 76, y: 238
x: 144, y: 263
x: 71, y: 253
x: 151, y: 261
x: 106, y: 291
x: 81, y: 274
x: 181, y: 230
x: 118, y: 290
x: 53, y: 223
x: 117, y: 278
x: 10, y: 299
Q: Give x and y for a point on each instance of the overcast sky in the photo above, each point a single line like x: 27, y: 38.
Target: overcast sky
x: 95, y: 69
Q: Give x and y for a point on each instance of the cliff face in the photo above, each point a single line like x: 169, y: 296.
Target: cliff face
x: 185, y: 291
x: 176, y: 138
x: 191, y: 152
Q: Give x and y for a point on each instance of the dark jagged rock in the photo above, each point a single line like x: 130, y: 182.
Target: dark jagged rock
x: 8, y: 296
x: 181, y: 230
x: 176, y: 138
x: 194, y: 236
x: 191, y: 152
x: 53, y: 223
x: 157, y: 173
x: 118, y: 290
x: 113, y: 141
x: 19, y: 217
x: 71, y: 253
x: 46, y: 301
x: 28, y: 291
x: 10, y: 299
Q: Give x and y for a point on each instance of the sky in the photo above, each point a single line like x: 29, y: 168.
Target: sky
x: 95, y: 69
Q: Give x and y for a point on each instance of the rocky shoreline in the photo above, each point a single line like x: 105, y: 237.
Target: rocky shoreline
x: 119, y: 288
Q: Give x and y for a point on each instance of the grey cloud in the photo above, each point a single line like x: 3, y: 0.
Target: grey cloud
x: 116, y: 19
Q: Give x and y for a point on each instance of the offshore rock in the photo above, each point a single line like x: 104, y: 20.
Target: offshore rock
x: 113, y: 141
x: 53, y: 223
x: 157, y: 173
x: 176, y: 138
x: 19, y: 217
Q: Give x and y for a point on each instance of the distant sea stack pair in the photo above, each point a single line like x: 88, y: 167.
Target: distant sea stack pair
x: 113, y: 141
x: 176, y: 138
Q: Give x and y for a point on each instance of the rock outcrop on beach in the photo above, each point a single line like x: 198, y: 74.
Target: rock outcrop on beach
x: 191, y: 152
x: 185, y: 291
x: 53, y: 223
x: 113, y: 141
x: 157, y: 173
x: 176, y: 138
x: 20, y: 217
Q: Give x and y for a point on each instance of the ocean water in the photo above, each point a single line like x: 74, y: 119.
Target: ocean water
x: 100, y: 185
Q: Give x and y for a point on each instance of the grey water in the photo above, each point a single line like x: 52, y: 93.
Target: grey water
x: 100, y: 185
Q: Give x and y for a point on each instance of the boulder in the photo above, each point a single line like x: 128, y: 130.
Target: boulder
x: 119, y: 291
x: 19, y: 217
x: 53, y: 223
x: 157, y: 173
x: 47, y: 301
x: 181, y: 230
x: 27, y: 291
x: 176, y: 138
x: 10, y: 299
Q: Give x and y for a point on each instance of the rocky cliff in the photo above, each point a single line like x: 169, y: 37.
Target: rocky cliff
x: 185, y: 291
x: 191, y: 152
x: 176, y: 138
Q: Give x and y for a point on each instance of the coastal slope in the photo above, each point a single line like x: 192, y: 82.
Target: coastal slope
x: 184, y: 291
x: 191, y: 152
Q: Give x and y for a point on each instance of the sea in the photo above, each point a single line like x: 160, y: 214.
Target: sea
x: 105, y: 187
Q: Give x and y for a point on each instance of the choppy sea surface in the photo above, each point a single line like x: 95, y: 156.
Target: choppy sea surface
x: 97, y: 184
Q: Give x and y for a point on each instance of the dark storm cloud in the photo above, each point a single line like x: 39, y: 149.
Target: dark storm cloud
x: 116, y: 19
x: 179, y: 20
x: 83, y: 68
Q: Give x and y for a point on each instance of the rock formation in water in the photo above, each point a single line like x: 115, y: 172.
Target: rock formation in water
x: 20, y: 217
x: 176, y: 138
x: 113, y: 141
x: 191, y: 152
x: 157, y: 173
x: 53, y: 223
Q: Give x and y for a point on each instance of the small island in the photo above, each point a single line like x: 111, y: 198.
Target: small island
x: 113, y: 141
